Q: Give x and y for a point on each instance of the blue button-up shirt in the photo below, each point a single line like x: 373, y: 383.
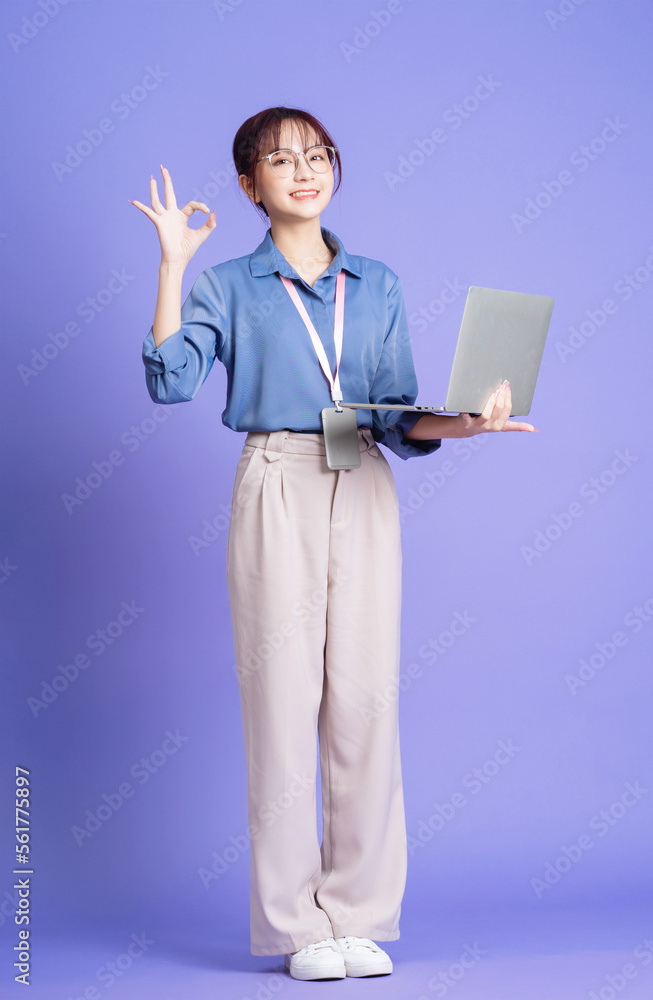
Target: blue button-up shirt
x: 240, y: 312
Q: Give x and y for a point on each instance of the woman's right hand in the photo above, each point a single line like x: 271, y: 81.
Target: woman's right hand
x: 178, y: 241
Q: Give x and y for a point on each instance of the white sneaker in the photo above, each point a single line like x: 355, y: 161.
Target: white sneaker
x: 363, y: 957
x: 322, y: 960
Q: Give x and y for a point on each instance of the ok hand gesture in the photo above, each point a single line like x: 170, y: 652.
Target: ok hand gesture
x: 178, y: 241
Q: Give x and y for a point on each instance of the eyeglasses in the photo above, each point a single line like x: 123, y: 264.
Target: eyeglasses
x: 284, y: 162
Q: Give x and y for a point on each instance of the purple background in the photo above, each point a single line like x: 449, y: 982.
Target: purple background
x: 468, y: 535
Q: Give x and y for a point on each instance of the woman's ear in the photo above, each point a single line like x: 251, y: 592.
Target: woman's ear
x: 247, y: 187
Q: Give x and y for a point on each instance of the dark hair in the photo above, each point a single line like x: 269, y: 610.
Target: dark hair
x: 265, y: 127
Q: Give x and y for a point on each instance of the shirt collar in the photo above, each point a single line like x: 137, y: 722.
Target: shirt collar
x: 267, y: 259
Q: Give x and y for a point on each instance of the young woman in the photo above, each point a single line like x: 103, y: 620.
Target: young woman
x: 314, y: 552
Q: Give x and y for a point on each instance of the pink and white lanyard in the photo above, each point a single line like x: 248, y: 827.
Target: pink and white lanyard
x: 334, y: 382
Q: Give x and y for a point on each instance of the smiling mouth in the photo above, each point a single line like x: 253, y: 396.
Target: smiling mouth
x: 303, y: 193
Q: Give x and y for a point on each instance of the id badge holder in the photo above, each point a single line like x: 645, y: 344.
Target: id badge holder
x: 341, y: 438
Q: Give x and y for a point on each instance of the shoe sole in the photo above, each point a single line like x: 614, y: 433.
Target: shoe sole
x: 316, y: 971
x: 371, y: 970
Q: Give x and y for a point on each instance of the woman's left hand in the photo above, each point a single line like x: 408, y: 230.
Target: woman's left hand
x: 494, y: 416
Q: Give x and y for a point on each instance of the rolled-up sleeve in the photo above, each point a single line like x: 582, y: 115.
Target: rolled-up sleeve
x: 395, y: 382
x: 175, y: 371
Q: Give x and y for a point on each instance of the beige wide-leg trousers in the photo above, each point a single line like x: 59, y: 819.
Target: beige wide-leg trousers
x: 314, y: 576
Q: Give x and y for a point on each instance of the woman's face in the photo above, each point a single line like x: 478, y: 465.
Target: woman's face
x: 276, y: 192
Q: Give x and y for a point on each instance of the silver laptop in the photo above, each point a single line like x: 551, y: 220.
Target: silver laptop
x: 502, y: 336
